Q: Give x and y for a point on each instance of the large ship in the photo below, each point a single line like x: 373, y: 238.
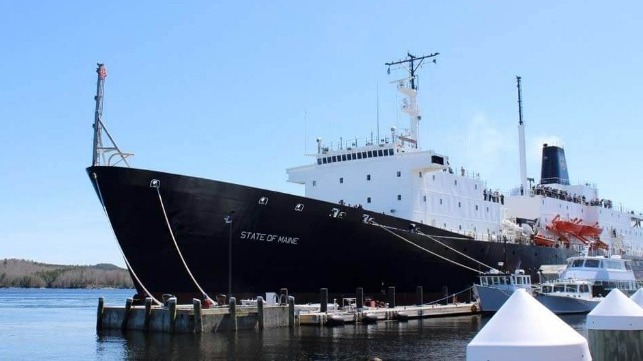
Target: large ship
x: 376, y: 214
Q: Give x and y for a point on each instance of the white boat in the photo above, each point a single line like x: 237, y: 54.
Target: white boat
x: 568, y: 296
x: 494, y: 289
x: 580, y: 287
x: 585, y: 282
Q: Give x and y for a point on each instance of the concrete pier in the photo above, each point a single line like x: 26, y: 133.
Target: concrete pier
x: 175, y: 318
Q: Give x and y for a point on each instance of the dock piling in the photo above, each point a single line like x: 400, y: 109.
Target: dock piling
x: 323, y: 304
x: 419, y: 296
x: 99, y: 314
x: 172, y: 313
x: 148, y: 313
x: 359, y: 295
x: 260, y: 312
x: 291, y: 311
x: 198, y: 323
x: 233, y: 313
x: 391, y: 297
x: 128, y: 307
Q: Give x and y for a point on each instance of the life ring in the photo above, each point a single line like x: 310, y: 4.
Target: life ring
x: 474, y: 309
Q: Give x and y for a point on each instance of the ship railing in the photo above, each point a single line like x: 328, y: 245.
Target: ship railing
x: 354, y: 143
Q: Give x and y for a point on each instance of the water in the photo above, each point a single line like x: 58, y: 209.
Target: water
x: 59, y: 324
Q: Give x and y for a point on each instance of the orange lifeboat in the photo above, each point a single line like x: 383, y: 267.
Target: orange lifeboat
x: 574, y: 229
x: 541, y: 240
x: 591, y: 231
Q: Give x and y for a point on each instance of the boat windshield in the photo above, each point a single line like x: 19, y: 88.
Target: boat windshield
x: 577, y: 263
x: 584, y: 288
x: 559, y: 288
x: 593, y: 263
x: 572, y: 288
x: 546, y: 289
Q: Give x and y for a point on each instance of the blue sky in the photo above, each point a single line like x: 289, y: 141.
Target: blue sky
x: 238, y: 91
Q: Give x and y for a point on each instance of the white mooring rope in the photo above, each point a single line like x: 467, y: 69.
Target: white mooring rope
x: 428, y: 251
x: 458, y: 252
x: 157, y: 184
x: 100, y: 195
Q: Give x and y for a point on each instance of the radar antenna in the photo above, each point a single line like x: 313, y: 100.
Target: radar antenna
x: 100, y: 152
x: 409, y: 105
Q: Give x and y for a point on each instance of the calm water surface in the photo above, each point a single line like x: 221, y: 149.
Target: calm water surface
x: 59, y: 324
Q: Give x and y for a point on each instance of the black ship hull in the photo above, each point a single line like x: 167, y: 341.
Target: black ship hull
x: 280, y: 240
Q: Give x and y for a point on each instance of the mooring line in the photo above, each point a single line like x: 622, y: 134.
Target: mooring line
x: 458, y: 252
x: 426, y: 250
x: 449, y: 296
x: 102, y: 202
x: 155, y: 183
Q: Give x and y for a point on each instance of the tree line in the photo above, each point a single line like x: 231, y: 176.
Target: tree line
x: 30, y: 274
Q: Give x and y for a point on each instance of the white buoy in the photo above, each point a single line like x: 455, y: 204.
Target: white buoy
x: 615, y: 328
x: 638, y: 297
x: 523, y: 329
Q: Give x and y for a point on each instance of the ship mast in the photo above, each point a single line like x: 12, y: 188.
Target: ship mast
x: 409, y: 105
x: 99, y: 151
x: 521, y: 141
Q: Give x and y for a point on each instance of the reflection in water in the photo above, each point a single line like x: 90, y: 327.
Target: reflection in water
x: 441, y: 338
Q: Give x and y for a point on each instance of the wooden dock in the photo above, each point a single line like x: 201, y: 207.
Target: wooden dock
x: 256, y: 314
x: 370, y: 315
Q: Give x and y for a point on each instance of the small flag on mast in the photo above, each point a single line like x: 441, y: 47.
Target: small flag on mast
x: 102, y: 72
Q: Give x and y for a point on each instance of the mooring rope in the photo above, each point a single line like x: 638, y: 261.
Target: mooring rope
x: 458, y: 252
x: 155, y: 183
x: 100, y: 195
x: 426, y: 250
x: 449, y: 296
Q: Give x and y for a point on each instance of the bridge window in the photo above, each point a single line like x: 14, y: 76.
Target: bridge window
x: 359, y: 155
x: 343, y: 157
x: 325, y: 160
x: 370, y: 153
x: 319, y: 161
x: 334, y: 159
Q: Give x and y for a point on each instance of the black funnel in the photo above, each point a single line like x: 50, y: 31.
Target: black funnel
x: 554, y: 166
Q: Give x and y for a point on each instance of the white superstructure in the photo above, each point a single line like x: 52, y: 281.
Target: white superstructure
x: 392, y: 175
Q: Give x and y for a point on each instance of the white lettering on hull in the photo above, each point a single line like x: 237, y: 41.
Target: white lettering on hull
x: 267, y: 237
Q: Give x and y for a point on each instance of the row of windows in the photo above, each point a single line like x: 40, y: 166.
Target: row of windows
x: 368, y: 178
x: 359, y: 155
